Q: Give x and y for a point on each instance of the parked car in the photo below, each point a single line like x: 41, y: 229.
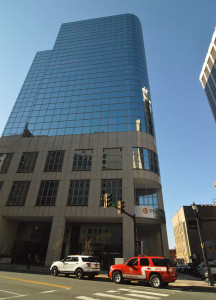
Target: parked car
x: 159, y: 271
x: 202, y: 270
x: 79, y: 265
x: 190, y: 268
x: 181, y: 268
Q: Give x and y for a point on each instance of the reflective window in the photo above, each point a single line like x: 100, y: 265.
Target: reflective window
x: 27, y: 162
x: 91, y: 81
x: 82, y: 160
x: 18, y: 193
x: 145, y: 159
x: 5, y: 159
x: 78, y: 192
x: 54, y: 161
x: 112, y: 159
x: 47, y: 192
x: 146, y: 197
x: 105, y: 234
x: 112, y: 186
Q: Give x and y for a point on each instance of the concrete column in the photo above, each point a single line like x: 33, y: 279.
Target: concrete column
x: 164, y: 240
x: 55, y: 241
x: 128, y: 238
x: 8, y: 229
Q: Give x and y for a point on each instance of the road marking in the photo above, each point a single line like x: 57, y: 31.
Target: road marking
x: 115, y: 296
x: 86, y: 298
x: 11, y: 297
x: 46, y: 292
x: 143, y: 296
x: 11, y: 293
x: 170, y: 289
x: 36, y: 282
x: 144, y: 292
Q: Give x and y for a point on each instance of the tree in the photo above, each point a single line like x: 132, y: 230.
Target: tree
x: 88, y: 248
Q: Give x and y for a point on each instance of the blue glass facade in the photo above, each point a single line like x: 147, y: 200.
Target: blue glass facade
x: 210, y: 90
x: 92, y: 81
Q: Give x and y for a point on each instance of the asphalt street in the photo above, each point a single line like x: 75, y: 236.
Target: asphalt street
x: 42, y: 286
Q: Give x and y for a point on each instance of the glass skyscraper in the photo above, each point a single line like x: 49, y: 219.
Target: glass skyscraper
x: 208, y: 75
x: 83, y: 125
x: 90, y: 82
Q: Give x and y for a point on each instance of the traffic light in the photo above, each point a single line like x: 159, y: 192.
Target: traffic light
x: 105, y: 200
x: 120, y: 207
x: 138, y: 243
x: 109, y: 200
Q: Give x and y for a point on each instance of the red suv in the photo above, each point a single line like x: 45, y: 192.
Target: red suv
x: 159, y: 271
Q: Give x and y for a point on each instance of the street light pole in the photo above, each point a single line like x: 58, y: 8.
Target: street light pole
x: 210, y: 278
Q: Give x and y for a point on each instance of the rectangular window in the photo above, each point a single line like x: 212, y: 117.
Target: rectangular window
x: 112, y: 186
x: 47, y: 192
x: 18, y: 193
x: 1, y: 184
x: 144, y: 262
x: 146, y: 197
x: 27, y: 162
x: 78, y: 192
x: 54, y: 161
x: 5, y: 159
x: 112, y: 159
x: 82, y: 160
x: 160, y: 262
x: 145, y: 159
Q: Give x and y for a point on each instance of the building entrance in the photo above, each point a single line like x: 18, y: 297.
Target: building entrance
x: 31, y: 238
x: 101, y: 240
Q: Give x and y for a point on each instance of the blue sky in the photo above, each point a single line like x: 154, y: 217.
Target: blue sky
x: 177, y: 36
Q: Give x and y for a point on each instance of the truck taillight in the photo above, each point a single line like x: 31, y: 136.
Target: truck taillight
x: 89, y: 265
x: 170, y: 270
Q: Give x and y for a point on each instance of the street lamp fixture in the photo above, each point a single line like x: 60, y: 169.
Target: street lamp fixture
x: 210, y: 277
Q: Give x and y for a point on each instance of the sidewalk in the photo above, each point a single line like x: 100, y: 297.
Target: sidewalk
x: 23, y: 268
x: 184, y: 280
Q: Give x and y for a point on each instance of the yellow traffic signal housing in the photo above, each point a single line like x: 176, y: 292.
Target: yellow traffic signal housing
x: 105, y: 200
x: 119, y: 207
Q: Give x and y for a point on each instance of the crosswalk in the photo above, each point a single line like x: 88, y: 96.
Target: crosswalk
x: 130, y: 294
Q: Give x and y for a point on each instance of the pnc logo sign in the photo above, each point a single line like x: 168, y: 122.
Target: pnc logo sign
x: 145, y: 210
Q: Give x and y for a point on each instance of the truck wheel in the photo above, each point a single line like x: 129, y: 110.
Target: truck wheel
x: 155, y: 281
x: 117, y: 277
x: 54, y: 271
x: 79, y: 273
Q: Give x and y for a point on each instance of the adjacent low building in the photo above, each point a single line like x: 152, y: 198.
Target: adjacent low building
x: 188, y: 247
